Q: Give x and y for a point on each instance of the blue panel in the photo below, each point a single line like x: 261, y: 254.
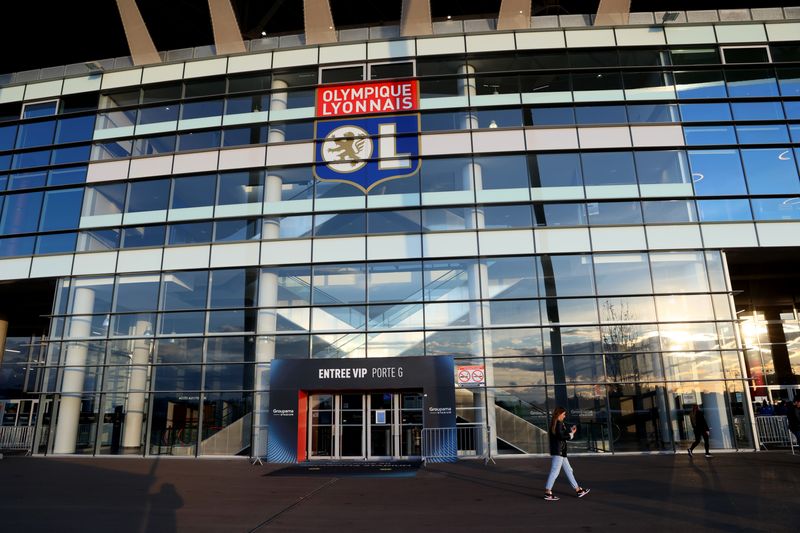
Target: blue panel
x: 723, y: 210
x: 717, y: 172
x: 757, y: 111
x: 75, y: 129
x: 3, y: 183
x: 7, y: 136
x: 149, y: 195
x: 16, y: 246
x: 771, y: 171
x: 61, y: 209
x: 36, y: 134
x: 67, y: 176
x: 776, y: 208
x: 792, y: 109
x: 751, y: 83
x: 190, y: 233
x: 5, y: 162
x: 75, y: 154
x: 201, y: 140
x: 28, y: 180
x: 709, y: 135
x: 56, y: 243
x: 774, y: 134
x: 700, y: 84
x: 21, y: 213
x: 38, y: 158
x: 42, y: 109
x: 705, y: 112
x: 194, y: 191
x: 211, y: 108
x: 141, y: 236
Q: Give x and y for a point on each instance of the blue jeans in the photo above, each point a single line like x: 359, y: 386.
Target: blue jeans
x: 555, y: 468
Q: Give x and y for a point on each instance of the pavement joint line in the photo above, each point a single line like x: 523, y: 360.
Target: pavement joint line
x: 293, y: 505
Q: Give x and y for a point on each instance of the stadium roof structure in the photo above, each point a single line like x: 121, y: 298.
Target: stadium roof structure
x: 45, y: 34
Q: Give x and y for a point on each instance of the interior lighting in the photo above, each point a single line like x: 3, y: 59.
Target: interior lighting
x: 492, y: 124
x: 449, y: 17
x: 263, y: 34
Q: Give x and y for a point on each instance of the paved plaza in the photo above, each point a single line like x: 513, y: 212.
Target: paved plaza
x: 731, y: 492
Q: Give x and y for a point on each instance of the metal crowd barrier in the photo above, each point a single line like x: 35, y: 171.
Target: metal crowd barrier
x: 774, y: 430
x: 446, y: 445
x: 16, y: 438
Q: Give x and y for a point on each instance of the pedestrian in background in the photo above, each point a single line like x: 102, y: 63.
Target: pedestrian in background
x: 559, y: 435
x: 701, y: 429
x: 793, y: 414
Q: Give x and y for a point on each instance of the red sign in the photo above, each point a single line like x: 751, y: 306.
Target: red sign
x: 470, y: 375
x: 365, y: 98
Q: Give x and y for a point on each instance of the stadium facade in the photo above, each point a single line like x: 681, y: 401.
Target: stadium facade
x: 338, y: 251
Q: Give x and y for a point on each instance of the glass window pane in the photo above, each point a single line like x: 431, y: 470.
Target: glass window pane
x: 154, y: 115
x: 207, y: 108
x: 233, y: 287
x: 771, y: 171
x: 143, y: 236
x: 552, y: 116
x: 503, y: 172
x: 446, y: 174
x: 622, y: 274
x: 717, y: 172
x: 61, y: 209
x: 237, y: 230
x: 451, y: 280
x: 510, y: 277
x: 556, y: 170
x: 244, y: 136
x: 339, y: 283
x: 670, y: 166
x: 75, y: 129
x: 184, y: 290
x: 608, y: 168
x: 403, y: 221
x: 723, y: 210
x: 21, y: 213
x: 709, y: 135
x: 162, y: 144
x: 448, y: 218
x: 507, y: 216
x: 149, y: 195
x: 194, y: 191
x: 399, y: 281
x: 190, y: 233
x: 652, y: 113
x: 98, y: 240
x: 614, y: 213
x: 248, y: 82
x: 40, y: 109
x: 695, y: 56
x: 199, y: 140
x: 775, y: 134
x: 679, y: 272
x: 159, y: 93
x: 700, y: 84
x: 748, y: 83
x: 560, y: 214
x: 340, y: 224
x: 136, y: 293
x: 204, y: 87
x: 565, y: 275
x: 241, y: 187
x: 608, y: 114
x: 669, y: 211
x: 757, y: 111
x: 56, y: 243
x: 705, y: 112
x: 776, y: 208
x: 36, y: 134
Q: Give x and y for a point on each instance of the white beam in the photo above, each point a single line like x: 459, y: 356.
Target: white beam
x: 514, y: 15
x: 612, y: 12
x: 318, y: 22
x: 415, y: 18
x: 227, y: 37
x: 143, y: 51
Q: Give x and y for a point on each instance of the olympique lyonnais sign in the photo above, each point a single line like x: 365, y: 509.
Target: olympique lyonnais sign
x: 370, y: 97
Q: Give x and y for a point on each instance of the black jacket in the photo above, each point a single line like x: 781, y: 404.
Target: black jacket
x: 558, y: 440
x: 699, y: 423
x: 793, y: 414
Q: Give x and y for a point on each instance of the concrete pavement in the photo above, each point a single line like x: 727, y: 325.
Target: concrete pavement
x: 731, y: 492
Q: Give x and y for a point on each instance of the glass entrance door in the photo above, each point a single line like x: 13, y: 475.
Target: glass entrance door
x: 367, y: 426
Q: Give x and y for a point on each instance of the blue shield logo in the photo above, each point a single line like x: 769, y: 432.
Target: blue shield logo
x: 367, y: 151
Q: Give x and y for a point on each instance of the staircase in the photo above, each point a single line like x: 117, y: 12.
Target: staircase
x: 513, y: 430
x: 230, y: 440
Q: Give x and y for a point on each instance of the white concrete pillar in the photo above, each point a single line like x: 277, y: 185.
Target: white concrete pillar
x: 69, y: 408
x: 137, y: 385
x: 267, y: 289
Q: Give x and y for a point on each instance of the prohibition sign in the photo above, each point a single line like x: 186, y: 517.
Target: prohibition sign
x: 477, y: 376
x: 464, y: 376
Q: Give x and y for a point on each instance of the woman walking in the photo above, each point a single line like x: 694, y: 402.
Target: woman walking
x: 701, y: 429
x: 559, y: 435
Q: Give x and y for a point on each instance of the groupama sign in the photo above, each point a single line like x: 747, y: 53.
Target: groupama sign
x: 365, y: 149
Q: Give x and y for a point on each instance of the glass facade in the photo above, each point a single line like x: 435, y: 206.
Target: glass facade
x: 574, y: 247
